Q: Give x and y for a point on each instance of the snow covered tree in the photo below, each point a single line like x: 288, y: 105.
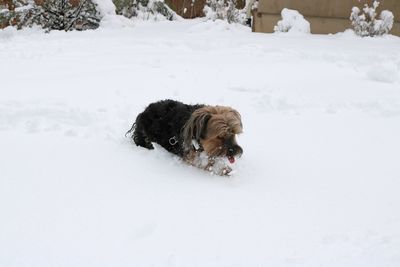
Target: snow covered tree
x: 54, y: 14
x: 144, y: 9
x: 365, y: 22
x: 224, y: 10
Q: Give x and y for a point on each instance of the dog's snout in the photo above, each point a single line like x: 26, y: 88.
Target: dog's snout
x: 235, y: 150
x: 239, y: 151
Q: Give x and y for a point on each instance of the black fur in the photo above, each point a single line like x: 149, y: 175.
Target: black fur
x: 160, y: 122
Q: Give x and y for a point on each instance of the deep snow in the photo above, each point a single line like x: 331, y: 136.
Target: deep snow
x: 318, y: 184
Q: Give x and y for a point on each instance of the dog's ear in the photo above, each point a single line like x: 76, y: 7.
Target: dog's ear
x: 195, y: 128
x: 237, y: 122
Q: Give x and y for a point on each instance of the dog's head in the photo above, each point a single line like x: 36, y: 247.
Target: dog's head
x: 215, y: 128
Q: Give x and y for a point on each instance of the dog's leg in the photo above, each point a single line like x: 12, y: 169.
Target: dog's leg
x: 140, y: 138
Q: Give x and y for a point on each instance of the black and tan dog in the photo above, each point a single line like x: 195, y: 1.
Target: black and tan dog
x: 202, y: 135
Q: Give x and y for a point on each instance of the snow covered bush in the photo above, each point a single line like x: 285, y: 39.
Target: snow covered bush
x: 224, y: 10
x: 365, y: 22
x: 53, y: 14
x: 7, y: 14
x: 292, y: 21
x: 144, y: 9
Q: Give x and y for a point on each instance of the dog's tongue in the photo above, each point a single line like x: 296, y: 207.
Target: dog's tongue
x: 231, y: 159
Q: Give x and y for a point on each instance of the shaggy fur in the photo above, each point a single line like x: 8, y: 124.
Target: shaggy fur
x: 174, y: 126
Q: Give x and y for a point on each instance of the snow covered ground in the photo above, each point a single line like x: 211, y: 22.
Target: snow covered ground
x: 318, y: 184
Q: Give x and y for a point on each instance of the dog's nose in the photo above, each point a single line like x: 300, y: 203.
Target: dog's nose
x: 235, y: 150
x: 239, y: 150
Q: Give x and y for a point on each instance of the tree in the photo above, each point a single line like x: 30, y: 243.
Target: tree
x: 53, y: 14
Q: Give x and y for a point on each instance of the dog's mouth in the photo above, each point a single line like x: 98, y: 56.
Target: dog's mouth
x: 231, y: 159
x: 232, y: 152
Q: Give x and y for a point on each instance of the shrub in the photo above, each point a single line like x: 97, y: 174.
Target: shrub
x: 224, y: 10
x: 365, y: 22
x: 144, y: 9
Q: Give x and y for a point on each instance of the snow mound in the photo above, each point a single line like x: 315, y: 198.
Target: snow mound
x: 116, y: 21
x: 292, y: 22
x: 7, y: 33
x: 110, y: 19
x: 386, y: 72
x: 10, y: 33
x: 217, y: 26
x: 105, y: 7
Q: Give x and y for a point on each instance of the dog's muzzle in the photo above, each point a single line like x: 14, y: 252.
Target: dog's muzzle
x: 232, y: 151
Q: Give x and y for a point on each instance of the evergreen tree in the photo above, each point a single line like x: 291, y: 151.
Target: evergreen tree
x: 52, y: 14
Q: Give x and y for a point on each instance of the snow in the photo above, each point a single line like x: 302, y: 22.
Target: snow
x: 384, y: 72
x: 366, y: 23
x: 109, y: 17
x: 105, y: 7
x: 385, y: 24
x: 292, y: 22
x: 317, y: 185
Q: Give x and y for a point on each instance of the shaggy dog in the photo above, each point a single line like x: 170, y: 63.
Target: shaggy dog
x: 202, y: 135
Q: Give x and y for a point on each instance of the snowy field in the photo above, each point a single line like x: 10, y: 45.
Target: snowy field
x: 318, y: 183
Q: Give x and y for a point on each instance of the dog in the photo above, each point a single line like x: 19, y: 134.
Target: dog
x: 203, y: 136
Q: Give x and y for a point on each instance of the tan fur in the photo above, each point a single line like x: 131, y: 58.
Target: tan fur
x: 224, y: 123
x: 211, y: 125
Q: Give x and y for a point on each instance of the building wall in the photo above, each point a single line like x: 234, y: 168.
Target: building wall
x: 186, y: 8
x: 325, y: 16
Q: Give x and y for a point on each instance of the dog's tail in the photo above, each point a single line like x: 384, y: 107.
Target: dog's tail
x: 131, y: 130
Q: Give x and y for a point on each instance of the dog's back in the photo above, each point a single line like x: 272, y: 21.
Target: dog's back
x: 162, y: 122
